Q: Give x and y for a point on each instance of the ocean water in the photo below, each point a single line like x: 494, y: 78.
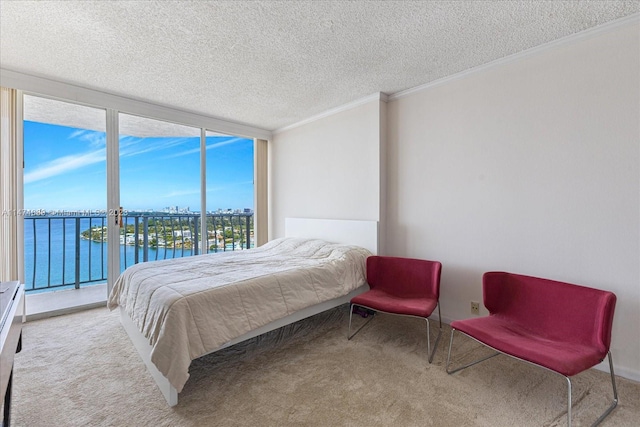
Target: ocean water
x: 50, y: 253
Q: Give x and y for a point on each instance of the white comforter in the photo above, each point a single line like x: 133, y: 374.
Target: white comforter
x: 188, y: 307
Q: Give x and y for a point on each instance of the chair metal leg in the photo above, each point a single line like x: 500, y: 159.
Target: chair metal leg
x: 615, y: 393
x: 613, y: 405
x: 465, y: 366
x: 568, y: 402
x: 349, y: 335
x: 435, y: 346
x: 430, y: 353
x: 606, y: 413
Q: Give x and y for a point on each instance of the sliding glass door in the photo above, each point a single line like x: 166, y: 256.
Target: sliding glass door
x: 229, y: 192
x: 64, y: 194
x: 104, y: 190
x: 159, y: 190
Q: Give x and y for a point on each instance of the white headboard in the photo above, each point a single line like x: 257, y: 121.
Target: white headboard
x: 351, y: 232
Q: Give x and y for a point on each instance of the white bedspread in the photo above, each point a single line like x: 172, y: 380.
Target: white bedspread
x: 188, y: 307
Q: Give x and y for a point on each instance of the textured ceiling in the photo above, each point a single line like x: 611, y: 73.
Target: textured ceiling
x: 273, y: 63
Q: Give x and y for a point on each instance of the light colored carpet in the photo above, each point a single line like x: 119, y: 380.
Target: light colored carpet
x: 82, y: 370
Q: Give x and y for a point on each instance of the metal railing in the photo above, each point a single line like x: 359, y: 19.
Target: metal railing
x: 70, y: 251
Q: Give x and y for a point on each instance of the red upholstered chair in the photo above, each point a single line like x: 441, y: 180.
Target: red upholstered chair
x: 404, y: 286
x: 558, y: 326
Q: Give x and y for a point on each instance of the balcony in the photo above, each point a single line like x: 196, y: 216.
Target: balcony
x: 68, y: 254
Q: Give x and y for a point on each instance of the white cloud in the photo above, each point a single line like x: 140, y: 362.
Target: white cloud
x: 223, y: 143
x: 208, y: 147
x: 135, y: 146
x: 64, y: 165
x: 95, y: 139
x: 77, y: 133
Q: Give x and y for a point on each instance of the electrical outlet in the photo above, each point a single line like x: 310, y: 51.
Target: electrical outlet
x: 475, y: 307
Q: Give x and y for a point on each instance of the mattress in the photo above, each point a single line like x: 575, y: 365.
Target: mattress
x: 189, y: 307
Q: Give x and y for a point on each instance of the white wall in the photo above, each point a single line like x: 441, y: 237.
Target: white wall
x: 329, y: 168
x: 532, y: 167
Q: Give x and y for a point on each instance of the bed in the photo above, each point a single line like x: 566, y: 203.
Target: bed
x: 175, y: 311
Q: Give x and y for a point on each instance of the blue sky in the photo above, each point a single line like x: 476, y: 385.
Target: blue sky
x: 65, y: 169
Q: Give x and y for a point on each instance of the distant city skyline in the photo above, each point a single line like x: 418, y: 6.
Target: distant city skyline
x: 65, y: 169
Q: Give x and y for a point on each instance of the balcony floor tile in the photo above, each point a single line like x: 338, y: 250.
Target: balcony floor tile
x: 55, y: 303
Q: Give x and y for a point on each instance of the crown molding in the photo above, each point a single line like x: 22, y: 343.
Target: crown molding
x: 378, y: 96
x: 573, y: 38
x: 564, y: 41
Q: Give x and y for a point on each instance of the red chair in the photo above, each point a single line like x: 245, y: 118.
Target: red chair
x: 403, y: 286
x: 558, y: 326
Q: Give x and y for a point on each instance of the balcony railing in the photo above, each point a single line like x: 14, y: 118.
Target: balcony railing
x: 70, y: 251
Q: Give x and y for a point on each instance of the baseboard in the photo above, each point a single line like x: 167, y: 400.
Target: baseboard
x: 626, y: 373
